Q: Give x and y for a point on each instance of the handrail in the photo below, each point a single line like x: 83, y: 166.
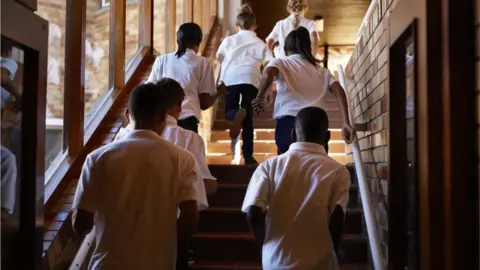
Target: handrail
x: 363, y: 187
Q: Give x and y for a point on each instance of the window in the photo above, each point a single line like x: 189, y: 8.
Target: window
x: 131, y: 29
x: 56, y: 16
x: 96, y: 58
x: 159, y: 25
x: 105, y: 3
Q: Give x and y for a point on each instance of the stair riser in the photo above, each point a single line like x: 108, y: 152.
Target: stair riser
x: 224, y: 174
x: 233, y: 197
x: 247, y: 250
x: 214, y: 221
x: 223, y: 135
x: 227, y: 159
x: 267, y: 147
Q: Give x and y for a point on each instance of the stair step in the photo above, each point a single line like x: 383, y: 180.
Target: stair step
x: 237, y: 222
x: 232, y: 195
x: 264, y: 135
x: 257, y: 266
x: 267, y: 146
x: 260, y: 157
x: 221, y: 123
x: 223, y: 247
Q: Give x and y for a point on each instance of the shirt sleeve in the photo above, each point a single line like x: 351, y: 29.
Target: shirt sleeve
x: 330, y: 78
x: 188, y: 191
x: 222, y: 50
x: 156, y: 73
x: 11, y: 66
x: 312, y: 29
x: 274, y: 34
x: 86, y: 193
x: 267, y: 55
x: 340, y: 190
x: 9, y: 179
x: 276, y: 63
x: 258, y: 192
x: 196, y: 146
x: 207, y: 82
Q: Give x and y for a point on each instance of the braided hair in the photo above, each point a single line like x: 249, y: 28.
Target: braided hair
x: 189, y: 34
x: 298, y: 42
x: 297, y: 7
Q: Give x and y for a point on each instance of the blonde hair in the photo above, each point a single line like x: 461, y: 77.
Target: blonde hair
x: 297, y: 7
x: 246, y: 18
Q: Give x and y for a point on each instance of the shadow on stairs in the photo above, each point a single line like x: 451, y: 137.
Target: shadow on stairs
x: 224, y: 241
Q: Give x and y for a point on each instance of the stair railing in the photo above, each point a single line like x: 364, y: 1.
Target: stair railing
x: 82, y: 253
x: 372, y: 232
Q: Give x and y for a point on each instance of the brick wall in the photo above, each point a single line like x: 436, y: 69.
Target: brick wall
x: 368, y: 90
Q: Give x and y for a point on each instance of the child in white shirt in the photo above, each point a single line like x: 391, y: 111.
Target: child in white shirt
x: 297, y: 9
x: 242, y: 57
x: 193, y: 72
x: 301, y: 82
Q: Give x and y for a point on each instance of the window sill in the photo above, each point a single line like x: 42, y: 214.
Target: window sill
x: 70, y: 166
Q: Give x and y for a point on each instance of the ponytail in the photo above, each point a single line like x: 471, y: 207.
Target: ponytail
x: 298, y: 42
x: 188, y: 35
x: 297, y: 7
x: 245, y: 18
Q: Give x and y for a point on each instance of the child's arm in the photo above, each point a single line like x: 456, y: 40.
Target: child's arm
x: 348, y: 131
x: 314, y: 38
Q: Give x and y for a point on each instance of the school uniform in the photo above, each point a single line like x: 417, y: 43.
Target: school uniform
x: 195, y: 75
x: 242, y: 56
x: 284, y: 27
x: 134, y: 187
x: 9, y: 179
x: 12, y: 68
x: 299, y: 191
x: 299, y: 84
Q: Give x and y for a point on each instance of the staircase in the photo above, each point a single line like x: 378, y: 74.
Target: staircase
x: 224, y: 241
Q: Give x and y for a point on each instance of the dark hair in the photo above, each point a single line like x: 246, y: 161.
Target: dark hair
x: 146, y: 102
x: 245, y: 18
x: 6, y: 46
x: 312, y: 122
x: 189, y: 34
x: 298, y: 42
x: 172, y: 92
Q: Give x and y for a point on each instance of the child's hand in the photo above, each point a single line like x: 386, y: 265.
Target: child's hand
x: 221, y: 89
x: 258, y: 105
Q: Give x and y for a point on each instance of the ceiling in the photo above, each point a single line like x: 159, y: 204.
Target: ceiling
x: 342, y: 18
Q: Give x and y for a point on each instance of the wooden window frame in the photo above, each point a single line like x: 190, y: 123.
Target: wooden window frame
x: 77, y: 134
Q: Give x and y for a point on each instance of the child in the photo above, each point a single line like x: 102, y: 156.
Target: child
x: 301, y: 82
x: 193, y: 72
x: 131, y: 191
x: 297, y: 9
x: 300, y: 223
x: 242, y: 57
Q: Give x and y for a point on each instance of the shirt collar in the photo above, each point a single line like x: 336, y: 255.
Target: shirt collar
x: 247, y: 33
x: 190, y: 51
x: 143, y: 134
x: 296, y: 56
x: 171, y: 120
x: 307, y: 147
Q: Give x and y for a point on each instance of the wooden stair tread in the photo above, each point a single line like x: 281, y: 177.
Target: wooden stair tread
x: 258, y: 266
x: 249, y: 236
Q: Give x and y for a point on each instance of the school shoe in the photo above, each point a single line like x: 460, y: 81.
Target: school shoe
x: 236, y: 125
x: 250, y: 160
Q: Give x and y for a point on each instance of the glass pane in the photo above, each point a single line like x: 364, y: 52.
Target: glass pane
x: 131, y: 29
x: 96, y: 55
x: 56, y: 17
x: 12, y: 68
x: 180, y: 14
x: 159, y: 25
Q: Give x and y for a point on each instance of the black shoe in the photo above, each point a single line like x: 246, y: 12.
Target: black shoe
x: 250, y: 161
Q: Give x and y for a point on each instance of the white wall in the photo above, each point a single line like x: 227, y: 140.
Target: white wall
x: 228, y: 12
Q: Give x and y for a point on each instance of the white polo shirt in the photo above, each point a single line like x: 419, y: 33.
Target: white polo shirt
x: 134, y: 187
x: 193, y: 72
x: 299, y: 191
x: 299, y: 84
x: 8, y: 179
x: 284, y: 27
x: 193, y: 143
x: 241, y: 56
x: 12, y: 68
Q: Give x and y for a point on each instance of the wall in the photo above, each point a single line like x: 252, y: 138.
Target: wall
x: 367, y: 86
x: 230, y: 9
x: 268, y: 12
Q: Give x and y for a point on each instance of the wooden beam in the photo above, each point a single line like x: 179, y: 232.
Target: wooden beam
x: 145, y: 37
x: 214, y: 7
x: 188, y: 10
x: 74, y: 76
x: 117, y: 44
x: 171, y: 16
x: 206, y: 14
